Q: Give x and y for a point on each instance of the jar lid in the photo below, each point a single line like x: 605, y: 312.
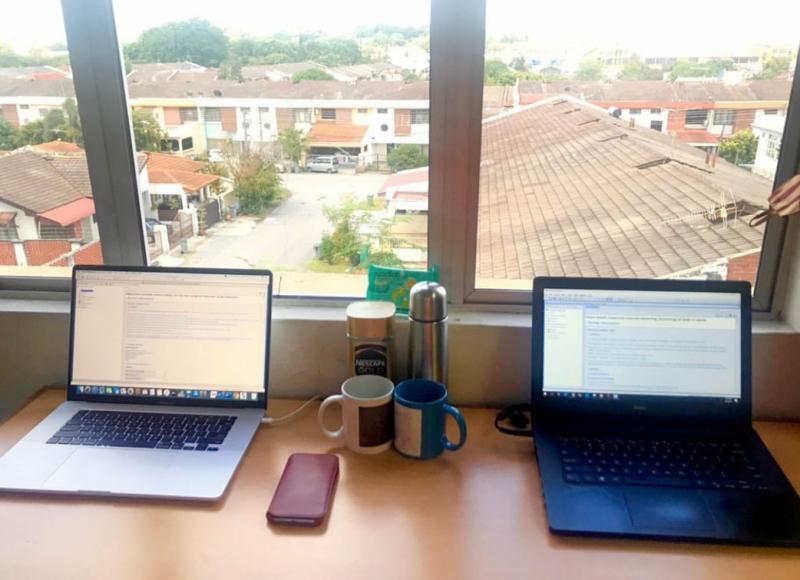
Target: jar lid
x: 370, y: 319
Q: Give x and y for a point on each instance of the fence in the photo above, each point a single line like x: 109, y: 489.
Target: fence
x: 180, y: 229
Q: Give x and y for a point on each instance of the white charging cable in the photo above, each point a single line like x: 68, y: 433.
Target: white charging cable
x: 290, y: 416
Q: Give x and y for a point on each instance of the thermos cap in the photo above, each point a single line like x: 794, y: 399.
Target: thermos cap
x: 368, y: 319
x: 427, y: 302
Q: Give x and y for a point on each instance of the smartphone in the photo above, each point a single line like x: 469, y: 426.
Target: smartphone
x: 305, y: 491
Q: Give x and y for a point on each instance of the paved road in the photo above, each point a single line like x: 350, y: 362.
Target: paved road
x: 285, y: 239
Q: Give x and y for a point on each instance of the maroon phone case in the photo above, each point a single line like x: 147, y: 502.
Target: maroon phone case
x: 305, y: 490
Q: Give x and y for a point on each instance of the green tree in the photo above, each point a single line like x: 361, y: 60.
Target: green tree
x: 496, y: 72
x: 293, y: 144
x: 8, y: 57
x: 332, y: 51
x: 32, y: 133
x: 311, y: 74
x: 256, y: 192
x: 712, y: 68
x: 194, y: 40
x: 346, y: 240
x: 9, y: 136
x: 740, y: 149
x: 774, y: 66
x: 231, y: 70
x: 589, y: 70
x: 636, y: 70
x: 72, y: 122
x: 219, y: 169
x: 148, y: 134
x: 407, y: 156
x: 519, y: 64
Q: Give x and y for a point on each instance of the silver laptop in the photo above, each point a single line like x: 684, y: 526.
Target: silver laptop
x: 167, y: 385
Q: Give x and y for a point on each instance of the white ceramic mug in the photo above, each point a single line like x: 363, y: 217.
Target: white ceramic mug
x: 367, y: 414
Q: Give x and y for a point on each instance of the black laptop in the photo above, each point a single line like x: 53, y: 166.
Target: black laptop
x: 641, y: 394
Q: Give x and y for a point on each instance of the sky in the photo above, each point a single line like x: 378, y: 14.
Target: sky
x: 686, y: 26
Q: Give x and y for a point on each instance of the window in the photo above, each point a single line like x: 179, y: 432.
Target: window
x: 655, y: 111
x: 188, y: 115
x: 241, y: 190
x: 724, y: 117
x: 302, y: 115
x: 419, y: 117
x: 555, y: 176
x: 502, y: 209
x: 770, y: 111
x: 696, y: 117
x: 773, y: 146
x: 212, y: 114
x: 47, y: 200
x: 8, y: 227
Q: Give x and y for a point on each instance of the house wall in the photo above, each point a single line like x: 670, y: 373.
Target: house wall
x: 402, y: 122
x: 42, y: 251
x: 8, y: 257
x: 284, y: 118
x: 172, y: 116
x: 9, y: 113
x: 765, y: 165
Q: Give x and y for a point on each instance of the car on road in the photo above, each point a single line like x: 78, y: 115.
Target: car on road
x: 149, y: 226
x: 324, y: 164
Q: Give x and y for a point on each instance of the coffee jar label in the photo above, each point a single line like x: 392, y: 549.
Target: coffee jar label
x: 371, y: 359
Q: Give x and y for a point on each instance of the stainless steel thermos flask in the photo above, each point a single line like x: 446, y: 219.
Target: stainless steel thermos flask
x: 427, y: 332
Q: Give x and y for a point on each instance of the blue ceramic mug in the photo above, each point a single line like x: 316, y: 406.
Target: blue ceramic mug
x: 420, y: 407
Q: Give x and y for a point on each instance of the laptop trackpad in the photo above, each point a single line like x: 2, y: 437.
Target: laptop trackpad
x: 663, y: 509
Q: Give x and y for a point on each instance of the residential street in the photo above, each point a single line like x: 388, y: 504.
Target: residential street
x: 285, y: 239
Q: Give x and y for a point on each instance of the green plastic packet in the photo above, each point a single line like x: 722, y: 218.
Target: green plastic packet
x: 394, y: 284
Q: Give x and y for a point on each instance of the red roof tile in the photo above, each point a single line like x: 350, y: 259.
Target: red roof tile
x: 191, y: 181
x: 71, y: 212
x: 166, y: 161
x: 336, y: 133
x: 58, y: 147
x: 404, y: 178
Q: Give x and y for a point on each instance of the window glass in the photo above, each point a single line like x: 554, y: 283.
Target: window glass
x: 289, y: 165
x: 613, y: 149
x: 47, y: 212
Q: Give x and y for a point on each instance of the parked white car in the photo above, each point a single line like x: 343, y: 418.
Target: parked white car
x: 215, y: 156
x: 324, y: 164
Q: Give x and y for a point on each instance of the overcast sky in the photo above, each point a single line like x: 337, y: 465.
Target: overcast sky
x: 679, y: 26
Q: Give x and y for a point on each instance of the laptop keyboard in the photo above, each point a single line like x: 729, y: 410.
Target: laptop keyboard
x: 144, y: 430
x: 662, y: 462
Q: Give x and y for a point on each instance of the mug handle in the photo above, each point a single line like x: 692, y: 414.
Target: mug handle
x: 462, y: 429
x: 333, y: 399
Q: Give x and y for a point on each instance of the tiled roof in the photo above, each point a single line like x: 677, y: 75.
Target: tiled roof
x: 496, y: 99
x: 36, y: 183
x: 565, y: 189
x: 13, y: 87
x: 58, y: 147
x: 167, y: 162
x: 190, y: 181
x: 406, y: 177
x: 336, y: 133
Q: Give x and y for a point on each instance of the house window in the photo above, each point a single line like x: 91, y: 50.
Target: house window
x: 302, y: 115
x: 635, y: 111
x: 187, y: 143
x: 212, y: 114
x: 263, y: 110
x: 24, y: 107
x: 363, y: 111
x: 382, y: 111
x: 419, y: 117
x: 655, y: 111
x: 696, y: 117
x: 773, y: 146
x: 656, y: 125
x: 43, y: 112
x: 328, y: 114
x: 770, y: 111
x: 724, y: 117
x: 188, y: 115
x: 8, y: 226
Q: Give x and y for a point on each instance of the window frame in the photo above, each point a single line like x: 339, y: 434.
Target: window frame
x: 456, y: 93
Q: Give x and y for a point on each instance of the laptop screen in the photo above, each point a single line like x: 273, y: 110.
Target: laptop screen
x: 171, y: 335
x: 617, y: 344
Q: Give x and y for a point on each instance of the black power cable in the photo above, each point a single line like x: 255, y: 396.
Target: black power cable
x: 518, y: 417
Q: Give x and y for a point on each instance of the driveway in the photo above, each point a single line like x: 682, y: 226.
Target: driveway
x: 285, y: 239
